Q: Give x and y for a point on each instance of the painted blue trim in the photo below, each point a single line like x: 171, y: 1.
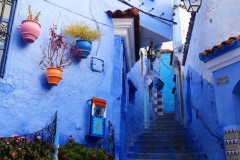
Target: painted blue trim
x: 8, y: 39
x: 56, y: 143
x: 216, y: 52
x: 5, y: 20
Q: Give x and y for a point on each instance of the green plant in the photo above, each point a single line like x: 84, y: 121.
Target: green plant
x: 30, y: 15
x: 75, y: 151
x: 22, y: 148
x: 83, y: 31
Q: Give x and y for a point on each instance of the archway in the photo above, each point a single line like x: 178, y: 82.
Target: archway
x: 236, y: 101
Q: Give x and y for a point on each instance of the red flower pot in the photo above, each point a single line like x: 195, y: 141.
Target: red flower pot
x: 54, y: 75
x: 30, y: 30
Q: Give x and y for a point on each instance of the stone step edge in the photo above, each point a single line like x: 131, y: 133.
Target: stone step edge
x: 167, y: 153
x: 150, y: 141
x: 165, y: 146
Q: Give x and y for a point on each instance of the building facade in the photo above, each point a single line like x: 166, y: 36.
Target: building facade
x: 28, y: 103
x: 206, y: 76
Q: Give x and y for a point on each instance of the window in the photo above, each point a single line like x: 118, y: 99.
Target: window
x: 6, y: 19
x: 132, y: 91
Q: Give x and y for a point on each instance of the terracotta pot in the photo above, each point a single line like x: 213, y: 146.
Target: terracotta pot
x: 54, y: 75
x: 30, y: 30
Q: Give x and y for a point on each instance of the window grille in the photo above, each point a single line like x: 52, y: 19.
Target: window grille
x: 7, y: 8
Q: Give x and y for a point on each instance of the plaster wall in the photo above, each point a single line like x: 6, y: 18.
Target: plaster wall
x: 209, y: 30
x: 182, y: 18
x: 227, y: 107
x: 134, y: 113
x: 166, y: 75
x: 28, y: 103
x: 200, y: 103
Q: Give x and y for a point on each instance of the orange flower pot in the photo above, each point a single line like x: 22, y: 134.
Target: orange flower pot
x: 54, y: 75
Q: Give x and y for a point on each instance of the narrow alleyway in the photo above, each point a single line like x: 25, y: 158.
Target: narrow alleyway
x: 165, y: 139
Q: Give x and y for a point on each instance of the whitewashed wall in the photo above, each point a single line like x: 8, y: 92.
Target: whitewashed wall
x: 215, y: 22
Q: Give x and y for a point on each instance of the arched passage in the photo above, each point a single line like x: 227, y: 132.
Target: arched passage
x: 236, y: 101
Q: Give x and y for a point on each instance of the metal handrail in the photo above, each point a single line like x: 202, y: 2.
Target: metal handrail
x: 220, y: 140
x: 47, y: 136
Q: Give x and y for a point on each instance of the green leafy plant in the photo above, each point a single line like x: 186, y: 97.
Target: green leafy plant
x: 22, y: 148
x: 74, y: 151
x: 83, y: 31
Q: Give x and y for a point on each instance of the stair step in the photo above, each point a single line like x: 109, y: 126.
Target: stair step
x: 166, y: 115
x: 165, y: 149
x: 165, y: 137
x: 173, y: 129
x: 165, y: 126
x: 164, y: 143
x: 153, y: 123
x: 167, y: 156
x: 163, y: 133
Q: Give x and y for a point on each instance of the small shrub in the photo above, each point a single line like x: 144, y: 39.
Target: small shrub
x: 75, y: 151
x: 22, y: 148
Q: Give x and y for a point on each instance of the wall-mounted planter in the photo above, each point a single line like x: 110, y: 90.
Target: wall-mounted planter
x: 30, y: 30
x: 85, y: 46
x: 54, y: 75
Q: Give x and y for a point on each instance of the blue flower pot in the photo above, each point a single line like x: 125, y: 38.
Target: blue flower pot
x: 86, y: 46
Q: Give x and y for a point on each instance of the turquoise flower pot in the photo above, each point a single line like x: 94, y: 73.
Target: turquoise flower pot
x: 85, y: 46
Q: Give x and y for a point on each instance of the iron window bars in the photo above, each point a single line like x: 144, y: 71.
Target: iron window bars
x: 6, y: 20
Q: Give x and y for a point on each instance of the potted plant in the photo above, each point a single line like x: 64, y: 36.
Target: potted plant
x: 54, y: 57
x: 30, y: 28
x: 84, y: 34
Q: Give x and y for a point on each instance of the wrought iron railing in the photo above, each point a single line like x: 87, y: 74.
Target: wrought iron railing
x: 220, y: 140
x: 107, y: 143
x: 45, y: 136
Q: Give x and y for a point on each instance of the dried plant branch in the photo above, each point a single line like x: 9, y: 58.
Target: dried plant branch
x: 54, y: 55
x: 30, y: 15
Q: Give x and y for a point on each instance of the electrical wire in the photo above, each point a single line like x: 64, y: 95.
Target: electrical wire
x: 78, y: 14
x: 94, y: 19
x: 157, y: 17
x: 166, y: 65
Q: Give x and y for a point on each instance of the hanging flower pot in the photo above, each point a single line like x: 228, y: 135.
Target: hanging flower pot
x: 85, y: 46
x: 30, y: 30
x: 54, y: 75
x: 55, y: 58
x: 85, y: 35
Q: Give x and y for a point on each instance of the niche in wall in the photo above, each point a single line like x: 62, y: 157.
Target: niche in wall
x: 132, y: 92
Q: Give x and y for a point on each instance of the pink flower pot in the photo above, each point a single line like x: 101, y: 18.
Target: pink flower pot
x: 30, y: 30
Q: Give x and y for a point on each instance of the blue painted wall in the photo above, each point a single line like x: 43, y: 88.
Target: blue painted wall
x: 228, y: 106
x: 166, y: 75
x: 202, y: 99
x: 28, y: 103
x: 177, y: 100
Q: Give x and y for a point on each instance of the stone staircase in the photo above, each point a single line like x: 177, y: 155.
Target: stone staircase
x: 165, y: 139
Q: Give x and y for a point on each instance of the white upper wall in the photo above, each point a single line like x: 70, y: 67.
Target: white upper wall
x: 215, y: 22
